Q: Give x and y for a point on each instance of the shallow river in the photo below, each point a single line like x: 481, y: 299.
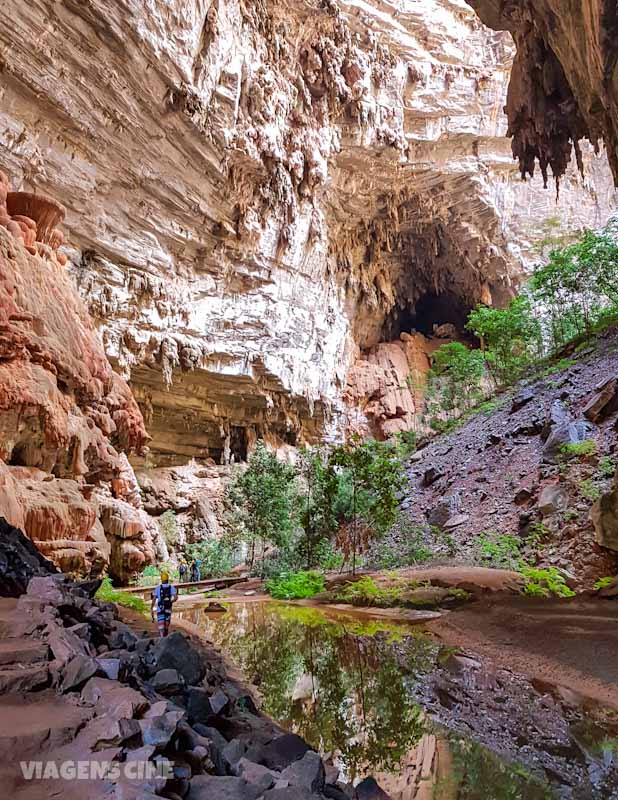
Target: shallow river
x: 427, y: 722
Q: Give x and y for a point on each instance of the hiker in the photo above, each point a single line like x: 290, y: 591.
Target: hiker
x: 182, y: 571
x: 163, y: 598
x: 195, y: 571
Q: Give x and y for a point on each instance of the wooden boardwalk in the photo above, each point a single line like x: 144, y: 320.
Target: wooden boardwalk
x: 211, y: 583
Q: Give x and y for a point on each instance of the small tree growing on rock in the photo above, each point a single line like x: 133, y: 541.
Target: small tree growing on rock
x: 454, y: 381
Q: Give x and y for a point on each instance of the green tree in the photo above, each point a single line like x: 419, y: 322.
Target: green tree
x: 454, y: 380
x: 317, y: 517
x: 262, y: 501
x: 578, y: 283
x: 510, y: 338
x: 370, y: 477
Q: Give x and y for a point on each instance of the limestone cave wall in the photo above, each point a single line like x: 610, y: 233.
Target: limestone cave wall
x: 564, y: 82
x: 259, y: 193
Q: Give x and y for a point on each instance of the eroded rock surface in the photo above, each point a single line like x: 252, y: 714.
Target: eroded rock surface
x: 65, y: 416
x: 564, y: 84
x: 257, y: 192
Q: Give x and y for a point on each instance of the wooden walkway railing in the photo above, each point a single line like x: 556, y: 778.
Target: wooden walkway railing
x: 211, y: 583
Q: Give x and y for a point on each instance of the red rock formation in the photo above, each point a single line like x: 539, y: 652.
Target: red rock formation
x: 387, y: 384
x: 44, y: 211
x: 64, y: 413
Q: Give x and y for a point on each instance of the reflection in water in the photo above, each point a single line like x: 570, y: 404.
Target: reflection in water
x: 347, y: 687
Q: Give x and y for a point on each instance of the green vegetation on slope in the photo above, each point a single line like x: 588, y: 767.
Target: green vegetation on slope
x: 107, y: 594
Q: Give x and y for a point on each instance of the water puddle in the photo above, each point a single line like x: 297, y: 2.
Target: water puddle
x: 429, y: 723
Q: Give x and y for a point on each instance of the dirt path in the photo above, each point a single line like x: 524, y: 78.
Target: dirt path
x: 573, y: 644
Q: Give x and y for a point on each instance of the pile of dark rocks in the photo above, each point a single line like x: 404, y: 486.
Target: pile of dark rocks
x: 148, y: 699
x: 19, y: 561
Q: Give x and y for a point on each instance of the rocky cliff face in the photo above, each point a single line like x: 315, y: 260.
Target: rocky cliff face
x: 564, y: 84
x: 259, y: 192
x: 65, y: 417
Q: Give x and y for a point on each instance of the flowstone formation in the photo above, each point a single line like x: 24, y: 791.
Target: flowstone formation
x: 66, y: 419
x: 564, y: 82
x: 258, y: 194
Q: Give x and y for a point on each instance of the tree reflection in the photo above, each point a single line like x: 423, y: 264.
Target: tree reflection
x: 344, y: 689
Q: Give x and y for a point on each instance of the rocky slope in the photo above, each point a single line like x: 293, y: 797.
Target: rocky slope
x: 66, y: 418
x: 79, y: 684
x: 257, y: 191
x: 503, y: 473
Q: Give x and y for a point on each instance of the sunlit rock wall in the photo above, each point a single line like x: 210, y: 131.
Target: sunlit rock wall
x: 258, y: 190
x: 66, y: 418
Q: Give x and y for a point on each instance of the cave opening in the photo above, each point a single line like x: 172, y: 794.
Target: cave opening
x: 238, y: 443
x: 430, y: 311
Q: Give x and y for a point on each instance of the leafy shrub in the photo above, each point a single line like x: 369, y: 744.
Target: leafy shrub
x: 589, y: 490
x: 583, y: 449
x: 296, y: 586
x: 602, y: 583
x: 500, y: 550
x: 365, y: 592
x: 216, y: 556
x: 327, y: 557
x: 545, y: 582
x: 406, y: 442
x: 578, y: 286
x: 454, y: 382
x: 510, y: 338
x: 108, y: 594
x: 151, y: 575
x: 607, y: 467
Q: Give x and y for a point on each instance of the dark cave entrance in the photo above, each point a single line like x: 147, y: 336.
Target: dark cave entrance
x: 430, y: 311
x: 238, y: 443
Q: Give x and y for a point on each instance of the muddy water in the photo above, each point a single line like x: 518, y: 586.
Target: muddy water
x: 428, y: 722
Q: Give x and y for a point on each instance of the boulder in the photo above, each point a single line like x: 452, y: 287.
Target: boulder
x: 215, y: 787
x: 369, y: 789
x: 522, y: 496
x: 283, y: 751
x: 566, y: 433
x: 78, y: 670
x: 20, y: 561
x: 445, y: 509
x: 553, y: 498
x: 158, y: 731
x: 198, y: 704
x: 431, y: 475
x: 522, y: 398
x: 455, y: 521
x: 217, y: 745
x: 168, y: 681
x: 558, y: 415
x: 288, y: 793
x: 604, y: 403
x: 107, y: 731
x: 176, y: 652
x: 110, y: 667
x: 256, y: 774
x: 604, y: 516
x: 111, y: 698
x: 306, y: 773
x: 220, y: 702
x: 232, y: 753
